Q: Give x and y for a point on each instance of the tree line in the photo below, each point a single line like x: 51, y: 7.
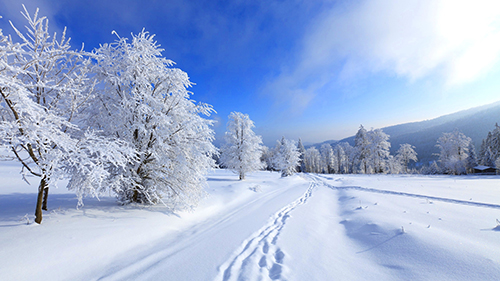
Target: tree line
x: 369, y: 155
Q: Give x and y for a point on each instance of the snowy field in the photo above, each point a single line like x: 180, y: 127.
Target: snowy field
x: 305, y: 227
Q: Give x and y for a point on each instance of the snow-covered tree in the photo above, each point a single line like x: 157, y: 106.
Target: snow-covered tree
x: 327, y: 158
x: 44, y: 91
x: 344, y: 155
x: 145, y: 101
x: 394, y: 166
x: 490, y: 148
x: 488, y: 158
x: 497, y: 164
x: 379, y: 150
x: 340, y: 156
x: 312, y: 160
x: 432, y: 169
x: 302, y: 151
x: 405, y: 154
x: 267, y: 158
x: 372, y: 150
x: 362, y: 146
x: 286, y: 157
x: 276, y: 154
x: 454, y: 151
x: 243, y: 148
x: 472, y: 158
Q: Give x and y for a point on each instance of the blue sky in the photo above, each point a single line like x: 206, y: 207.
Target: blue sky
x: 309, y: 69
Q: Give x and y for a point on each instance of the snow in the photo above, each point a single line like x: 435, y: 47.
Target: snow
x: 303, y: 227
x: 481, y: 167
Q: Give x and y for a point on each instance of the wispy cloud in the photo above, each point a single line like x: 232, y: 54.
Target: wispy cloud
x: 11, y: 10
x: 456, y: 41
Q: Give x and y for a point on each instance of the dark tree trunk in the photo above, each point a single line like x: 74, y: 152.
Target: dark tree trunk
x: 45, y: 195
x: 39, y: 201
x: 135, y: 196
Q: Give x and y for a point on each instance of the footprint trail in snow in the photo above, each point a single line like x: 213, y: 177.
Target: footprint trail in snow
x: 259, y: 258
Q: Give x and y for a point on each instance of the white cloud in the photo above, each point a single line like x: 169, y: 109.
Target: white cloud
x: 11, y: 11
x: 412, y: 38
x: 457, y: 40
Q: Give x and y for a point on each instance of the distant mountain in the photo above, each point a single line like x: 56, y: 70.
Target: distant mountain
x: 474, y: 123
x: 318, y: 145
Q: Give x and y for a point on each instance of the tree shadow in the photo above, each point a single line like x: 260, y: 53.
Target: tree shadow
x: 19, y: 207
x: 496, y: 228
x: 219, y: 179
x: 15, y: 206
x: 381, y: 243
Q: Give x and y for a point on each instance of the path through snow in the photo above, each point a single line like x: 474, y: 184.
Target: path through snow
x: 258, y: 256
x: 197, y: 252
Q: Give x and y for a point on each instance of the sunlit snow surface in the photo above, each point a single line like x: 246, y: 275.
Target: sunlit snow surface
x: 305, y: 227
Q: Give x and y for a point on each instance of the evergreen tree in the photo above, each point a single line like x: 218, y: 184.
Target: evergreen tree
x: 497, y: 165
x: 286, y: 157
x: 312, y: 160
x: 302, y: 151
x: 433, y: 169
x: 490, y: 148
x: 482, y: 151
x: 345, y: 156
x: 327, y: 158
x: 489, y: 157
x: 362, y: 146
x: 379, y: 150
x: 372, y: 150
x: 471, y: 159
x: 340, y: 159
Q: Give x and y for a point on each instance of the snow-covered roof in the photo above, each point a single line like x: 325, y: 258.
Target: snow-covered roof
x: 481, y: 167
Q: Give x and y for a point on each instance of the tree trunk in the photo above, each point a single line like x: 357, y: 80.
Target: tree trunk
x: 45, y: 195
x: 39, y: 201
x: 135, y: 196
x: 242, y: 176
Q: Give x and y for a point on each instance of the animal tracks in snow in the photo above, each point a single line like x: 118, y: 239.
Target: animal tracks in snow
x: 259, y: 258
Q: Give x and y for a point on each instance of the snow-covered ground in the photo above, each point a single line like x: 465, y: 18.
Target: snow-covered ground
x: 304, y: 227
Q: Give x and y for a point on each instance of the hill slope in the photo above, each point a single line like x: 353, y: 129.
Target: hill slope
x: 474, y: 123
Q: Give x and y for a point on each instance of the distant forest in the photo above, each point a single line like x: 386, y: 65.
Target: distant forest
x: 474, y: 123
